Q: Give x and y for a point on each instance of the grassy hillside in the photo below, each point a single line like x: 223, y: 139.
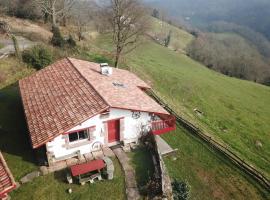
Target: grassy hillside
x: 235, y: 112
x: 179, y: 38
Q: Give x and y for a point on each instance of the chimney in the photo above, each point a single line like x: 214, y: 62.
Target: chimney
x: 105, y: 69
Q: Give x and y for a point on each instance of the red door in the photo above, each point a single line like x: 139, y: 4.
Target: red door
x: 113, y: 131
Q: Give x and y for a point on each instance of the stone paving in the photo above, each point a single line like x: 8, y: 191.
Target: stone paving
x: 59, y: 165
x: 132, y: 191
x: 163, y: 147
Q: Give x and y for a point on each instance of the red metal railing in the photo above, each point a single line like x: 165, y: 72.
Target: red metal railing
x: 163, y: 126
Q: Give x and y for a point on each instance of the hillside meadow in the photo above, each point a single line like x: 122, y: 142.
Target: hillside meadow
x: 235, y: 112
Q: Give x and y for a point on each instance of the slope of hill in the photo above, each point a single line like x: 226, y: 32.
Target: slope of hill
x: 179, y: 38
x: 235, y: 112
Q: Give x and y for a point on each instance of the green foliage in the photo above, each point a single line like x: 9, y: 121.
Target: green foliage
x: 95, y: 57
x: 168, y: 39
x: 38, y: 57
x: 57, y: 39
x: 181, y: 190
x: 71, y: 42
x: 266, y: 81
x: 155, y: 13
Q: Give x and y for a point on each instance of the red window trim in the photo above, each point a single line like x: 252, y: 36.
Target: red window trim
x: 82, y: 129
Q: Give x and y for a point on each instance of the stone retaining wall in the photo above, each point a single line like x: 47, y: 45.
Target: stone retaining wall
x: 160, y: 169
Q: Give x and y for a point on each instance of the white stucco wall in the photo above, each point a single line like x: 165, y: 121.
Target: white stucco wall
x: 132, y: 129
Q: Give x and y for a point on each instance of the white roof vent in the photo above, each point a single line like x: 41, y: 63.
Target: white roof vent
x: 105, y: 69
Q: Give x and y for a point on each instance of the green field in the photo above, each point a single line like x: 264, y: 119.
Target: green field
x: 235, y: 112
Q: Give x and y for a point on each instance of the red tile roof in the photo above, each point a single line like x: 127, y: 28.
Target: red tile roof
x: 130, y: 96
x: 56, y: 99
x: 70, y: 91
x: 7, y: 182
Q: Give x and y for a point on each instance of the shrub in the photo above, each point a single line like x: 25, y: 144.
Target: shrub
x: 57, y: 39
x: 181, y: 190
x: 38, y: 57
x: 71, y: 42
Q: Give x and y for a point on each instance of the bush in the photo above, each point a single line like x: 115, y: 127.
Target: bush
x: 71, y: 42
x: 181, y: 190
x: 57, y: 39
x: 38, y: 57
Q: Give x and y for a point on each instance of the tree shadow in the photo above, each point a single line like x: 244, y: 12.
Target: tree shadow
x: 144, y: 168
x: 14, y: 138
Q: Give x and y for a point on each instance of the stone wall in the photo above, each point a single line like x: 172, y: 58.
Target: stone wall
x: 160, y: 169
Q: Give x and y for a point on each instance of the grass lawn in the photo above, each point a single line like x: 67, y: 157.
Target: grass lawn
x: 141, y: 160
x: 54, y: 187
x: 208, y: 173
x: 236, y: 112
x: 21, y: 160
x: 12, y: 70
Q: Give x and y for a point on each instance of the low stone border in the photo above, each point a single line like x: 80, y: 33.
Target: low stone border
x: 132, y: 191
x: 161, y: 173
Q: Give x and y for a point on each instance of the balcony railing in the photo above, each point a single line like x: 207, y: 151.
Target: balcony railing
x: 163, y: 126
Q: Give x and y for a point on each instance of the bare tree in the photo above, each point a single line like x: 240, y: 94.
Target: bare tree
x: 81, y: 15
x: 5, y: 29
x: 57, y: 9
x: 128, y: 21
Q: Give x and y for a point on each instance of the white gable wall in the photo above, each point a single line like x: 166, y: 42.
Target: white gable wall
x: 132, y: 129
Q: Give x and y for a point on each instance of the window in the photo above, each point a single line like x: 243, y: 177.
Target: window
x: 78, y: 135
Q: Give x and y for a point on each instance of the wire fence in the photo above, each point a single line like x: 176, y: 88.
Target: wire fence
x: 239, y: 162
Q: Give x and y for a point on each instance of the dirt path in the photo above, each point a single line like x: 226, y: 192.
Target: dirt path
x: 9, y: 48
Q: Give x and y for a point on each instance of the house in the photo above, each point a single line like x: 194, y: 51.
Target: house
x: 74, y: 107
x: 7, y: 182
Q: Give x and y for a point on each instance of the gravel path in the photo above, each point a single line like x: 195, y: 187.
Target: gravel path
x: 9, y: 48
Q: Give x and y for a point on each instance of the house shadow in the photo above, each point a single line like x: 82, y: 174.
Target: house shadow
x: 14, y: 138
x: 61, y: 175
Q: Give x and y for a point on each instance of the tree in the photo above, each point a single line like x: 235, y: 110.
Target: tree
x: 81, y: 15
x: 5, y: 29
x: 168, y: 39
x: 57, y: 39
x: 57, y: 9
x: 128, y: 22
x: 155, y: 13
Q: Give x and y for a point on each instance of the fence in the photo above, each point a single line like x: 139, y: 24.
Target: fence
x: 242, y: 164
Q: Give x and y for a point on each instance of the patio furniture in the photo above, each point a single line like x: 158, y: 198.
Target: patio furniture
x: 88, y: 172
